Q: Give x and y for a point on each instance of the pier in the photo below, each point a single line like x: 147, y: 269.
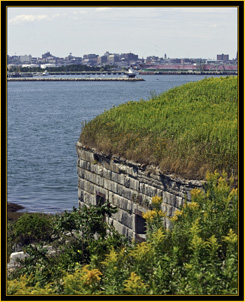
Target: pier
x: 87, y: 72
x: 44, y: 79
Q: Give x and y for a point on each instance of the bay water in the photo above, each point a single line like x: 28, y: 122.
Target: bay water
x: 43, y: 125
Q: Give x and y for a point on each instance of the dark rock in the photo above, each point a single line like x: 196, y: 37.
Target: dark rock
x: 13, y: 207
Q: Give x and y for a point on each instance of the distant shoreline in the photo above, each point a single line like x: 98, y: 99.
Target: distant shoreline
x: 76, y: 79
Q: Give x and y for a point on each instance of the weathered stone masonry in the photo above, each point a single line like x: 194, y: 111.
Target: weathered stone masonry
x: 129, y: 186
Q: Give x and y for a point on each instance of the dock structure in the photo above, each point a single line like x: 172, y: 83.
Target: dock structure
x: 87, y: 73
x: 20, y: 79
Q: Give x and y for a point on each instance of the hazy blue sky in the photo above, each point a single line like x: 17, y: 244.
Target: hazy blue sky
x: 177, y: 31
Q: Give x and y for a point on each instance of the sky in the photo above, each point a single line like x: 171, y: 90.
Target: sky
x: 178, y: 32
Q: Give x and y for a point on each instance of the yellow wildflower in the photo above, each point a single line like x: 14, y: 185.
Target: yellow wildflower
x: 222, y: 185
x: 150, y: 215
x: 212, y: 176
x: 205, y: 215
x: 233, y: 193
x: 19, y: 287
x: 141, y: 251
x: 212, y: 243
x: 197, y: 243
x: 134, y: 283
x: 156, y: 200
x: 195, y: 229
x: 176, y: 214
x: 224, y: 174
x: 231, y: 237
x: 90, y: 276
x: 196, y: 192
x: 174, y: 218
x: 158, y: 236
x: 111, y: 257
x: 193, y: 206
x: 161, y: 213
x: 221, y: 181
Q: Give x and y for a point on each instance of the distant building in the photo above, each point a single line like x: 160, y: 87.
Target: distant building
x: 47, y: 55
x: 107, y: 53
x: 113, y: 58
x: 30, y: 65
x: 102, y: 60
x: 44, y: 66
x: 129, y: 56
x: 222, y: 57
x: 90, y: 56
x: 25, y: 59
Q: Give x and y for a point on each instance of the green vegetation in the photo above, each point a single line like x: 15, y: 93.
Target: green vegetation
x: 32, y: 228
x: 197, y: 256
x: 187, y: 130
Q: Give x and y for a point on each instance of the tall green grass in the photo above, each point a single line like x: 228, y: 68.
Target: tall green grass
x: 186, y: 130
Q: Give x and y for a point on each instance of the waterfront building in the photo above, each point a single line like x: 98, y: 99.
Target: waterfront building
x: 25, y: 59
x: 102, y: 60
x: 222, y: 57
x: 129, y: 57
x: 124, y: 60
x: 113, y: 58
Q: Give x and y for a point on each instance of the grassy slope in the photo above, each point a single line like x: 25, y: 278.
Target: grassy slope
x: 186, y: 130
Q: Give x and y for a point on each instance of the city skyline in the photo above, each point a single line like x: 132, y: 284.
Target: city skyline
x: 186, y: 32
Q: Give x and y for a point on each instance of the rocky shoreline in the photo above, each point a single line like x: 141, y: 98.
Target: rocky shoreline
x: 12, y: 211
x: 14, y: 207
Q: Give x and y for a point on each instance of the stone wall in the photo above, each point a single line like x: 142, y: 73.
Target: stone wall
x: 129, y: 186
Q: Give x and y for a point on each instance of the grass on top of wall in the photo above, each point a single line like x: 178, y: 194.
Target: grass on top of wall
x: 187, y: 130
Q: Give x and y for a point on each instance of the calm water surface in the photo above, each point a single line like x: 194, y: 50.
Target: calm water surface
x: 44, y: 124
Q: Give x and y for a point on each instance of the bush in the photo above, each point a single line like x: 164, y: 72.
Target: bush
x: 33, y: 227
x: 197, y: 256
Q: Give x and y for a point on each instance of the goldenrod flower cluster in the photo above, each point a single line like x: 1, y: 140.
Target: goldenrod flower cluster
x: 212, y: 176
x: 156, y: 200
x: 195, y: 228
x: 90, y: 276
x: 232, y: 194
x: 197, y: 243
x: 150, y: 215
x: 158, y: 236
x: 176, y: 214
x: 196, y: 192
x: 141, y: 251
x: 193, y: 206
x: 231, y: 237
x: 21, y: 287
x: 212, y: 243
x: 134, y: 283
x: 111, y: 257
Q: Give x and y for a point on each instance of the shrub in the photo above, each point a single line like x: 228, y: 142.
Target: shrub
x: 33, y: 227
x: 198, y: 255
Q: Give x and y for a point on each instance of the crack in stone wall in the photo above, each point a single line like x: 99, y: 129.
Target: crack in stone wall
x: 129, y: 186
